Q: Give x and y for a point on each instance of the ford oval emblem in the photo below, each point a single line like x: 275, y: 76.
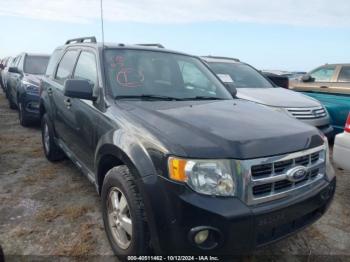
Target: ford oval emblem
x: 297, y: 173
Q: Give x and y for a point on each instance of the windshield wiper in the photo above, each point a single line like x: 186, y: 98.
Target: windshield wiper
x: 148, y: 97
x: 203, y: 98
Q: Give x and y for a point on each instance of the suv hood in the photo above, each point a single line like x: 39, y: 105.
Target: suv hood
x: 276, y: 97
x: 221, y: 129
x: 34, y: 79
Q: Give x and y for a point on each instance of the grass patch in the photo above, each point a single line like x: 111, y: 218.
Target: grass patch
x: 82, y: 245
x: 72, y: 213
x: 48, y: 215
x: 46, y: 173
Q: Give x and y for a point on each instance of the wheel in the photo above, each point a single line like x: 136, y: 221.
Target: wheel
x: 12, y: 104
x: 23, y: 120
x: 52, y: 151
x: 123, y: 214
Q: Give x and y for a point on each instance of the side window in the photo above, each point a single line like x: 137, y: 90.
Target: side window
x: 20, y: 63
x: 344, y: 75
x: 194, y: 78
x: 66, y: 65
x: 323, y: 74
x: 50, y: 70
x: 86, y: 67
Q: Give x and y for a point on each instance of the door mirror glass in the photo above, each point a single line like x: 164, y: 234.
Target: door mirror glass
x: 79, y: 88
x: 307, y: 78
x: 15, y: 70
x: 230, y: 87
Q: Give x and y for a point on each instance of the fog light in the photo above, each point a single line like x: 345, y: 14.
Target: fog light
x: 201, y: 237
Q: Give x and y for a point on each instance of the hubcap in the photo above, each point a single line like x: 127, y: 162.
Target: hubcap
x: 46, y: 138
x: 119, y: 218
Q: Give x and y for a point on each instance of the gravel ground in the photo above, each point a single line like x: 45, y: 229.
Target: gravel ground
x: 52, y: 210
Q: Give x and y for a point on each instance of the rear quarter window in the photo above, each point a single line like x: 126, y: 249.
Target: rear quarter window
x: 344, y: 75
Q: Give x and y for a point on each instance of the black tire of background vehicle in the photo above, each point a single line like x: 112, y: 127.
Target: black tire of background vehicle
x: 23, y: 120
x: 54, y: 153
x: 12, y: 104
x: 2, y: 255
x: 121, y: 178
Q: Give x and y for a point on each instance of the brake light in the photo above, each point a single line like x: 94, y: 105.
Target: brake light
x: 347, y: 125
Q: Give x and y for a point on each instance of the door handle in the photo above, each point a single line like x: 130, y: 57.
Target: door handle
x: 68, y: 103
x: 323, y: 86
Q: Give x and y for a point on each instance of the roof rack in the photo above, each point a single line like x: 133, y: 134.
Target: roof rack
x: 90, y: 39
x: 152, y: 45
x: 223, y: 57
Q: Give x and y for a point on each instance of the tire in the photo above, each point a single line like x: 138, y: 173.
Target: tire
x: 52, y: 151
x: 12, y: 104
x: 120, y: 178
x: 23, y: 120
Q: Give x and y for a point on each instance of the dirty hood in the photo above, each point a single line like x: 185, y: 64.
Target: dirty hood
x: 221, y: 129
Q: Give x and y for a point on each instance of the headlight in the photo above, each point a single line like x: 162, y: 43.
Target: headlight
x: 30, y: 87
x: 329, y: 167
x: 209, y: 177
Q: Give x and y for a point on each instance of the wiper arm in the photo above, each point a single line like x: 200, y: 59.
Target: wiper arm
x: 150, y: 97
x: 203, y: 98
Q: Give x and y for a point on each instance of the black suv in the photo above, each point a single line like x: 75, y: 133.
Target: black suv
x: 23, y: 85
x: 182, y: 167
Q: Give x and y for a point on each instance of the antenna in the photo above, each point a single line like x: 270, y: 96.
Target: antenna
x: 102, y: 27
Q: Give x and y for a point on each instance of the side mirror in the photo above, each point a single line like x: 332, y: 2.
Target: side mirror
x: 306, y: 78
x: 15, y: 70
x: 78, y: 88
x: 230, y: 87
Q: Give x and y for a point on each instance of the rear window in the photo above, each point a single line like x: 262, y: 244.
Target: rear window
x: 36, y: 65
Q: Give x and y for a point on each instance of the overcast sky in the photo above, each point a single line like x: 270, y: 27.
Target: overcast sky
x: 272, y: 34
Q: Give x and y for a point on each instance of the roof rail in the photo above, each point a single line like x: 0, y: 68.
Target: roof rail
x: 91, y: 39
x: 152, y: 45
x: 223, y: 57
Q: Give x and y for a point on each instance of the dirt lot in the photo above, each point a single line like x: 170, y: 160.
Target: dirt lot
x: 51, y: 209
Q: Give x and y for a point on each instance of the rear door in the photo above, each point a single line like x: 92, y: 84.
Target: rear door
x: 62, y: 119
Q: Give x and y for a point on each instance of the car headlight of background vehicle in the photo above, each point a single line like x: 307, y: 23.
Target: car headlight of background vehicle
x: 30, y: 87
x: 209, y: 177
x: 330, y: 172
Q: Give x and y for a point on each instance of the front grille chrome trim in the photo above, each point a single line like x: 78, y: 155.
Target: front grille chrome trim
x: 307, y: 113
x: 249, y: 182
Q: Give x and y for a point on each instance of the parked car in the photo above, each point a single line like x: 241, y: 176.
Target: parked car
x: 4, y: 72
x: 253, y: 86
x: 23, y: 85
x: 278, y: 80
x: 330, y: 84
x: 341, y: 150
x: 182, y: 166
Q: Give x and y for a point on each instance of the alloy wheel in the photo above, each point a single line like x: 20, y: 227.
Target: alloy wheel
x: 119, y: 218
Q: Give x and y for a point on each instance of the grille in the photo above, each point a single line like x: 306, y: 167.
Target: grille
x: 282, y: 185
x: 270, y: 179
x: 308, y: 113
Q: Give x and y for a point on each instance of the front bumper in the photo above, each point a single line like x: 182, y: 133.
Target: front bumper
x: 174, y: 211
x: 30, y: 105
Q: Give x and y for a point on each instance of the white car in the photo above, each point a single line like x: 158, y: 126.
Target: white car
x: 341, y: 151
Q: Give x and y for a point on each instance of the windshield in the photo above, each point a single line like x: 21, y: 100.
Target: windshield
x: 160, y: 75
x: 36, y: 65
x: 240, y: 75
